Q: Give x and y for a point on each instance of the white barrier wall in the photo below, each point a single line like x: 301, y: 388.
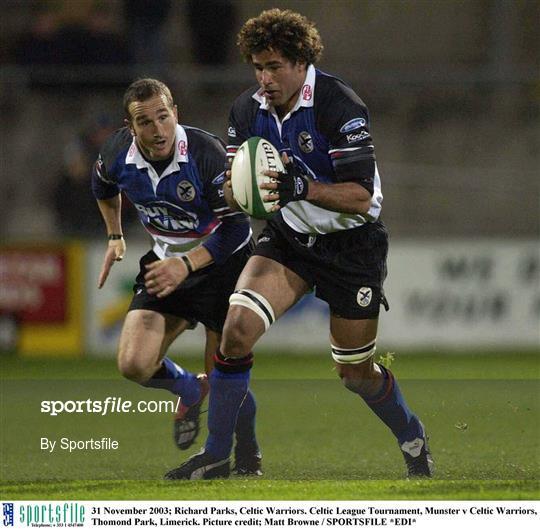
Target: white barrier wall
x: 463, y: 293
x: 448, y: 294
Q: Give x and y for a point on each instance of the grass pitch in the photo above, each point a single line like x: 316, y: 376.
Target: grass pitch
x: 319, y: 441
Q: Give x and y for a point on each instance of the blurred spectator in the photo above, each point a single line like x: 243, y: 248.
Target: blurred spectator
x: 89, y: 40
x: 106, y: 46
x: 145, y: 20
x: 212, y: 24
x: 75, y: 207
x: 40, y: 45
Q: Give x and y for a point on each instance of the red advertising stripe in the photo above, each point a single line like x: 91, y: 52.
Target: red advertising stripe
x: 33, y: 284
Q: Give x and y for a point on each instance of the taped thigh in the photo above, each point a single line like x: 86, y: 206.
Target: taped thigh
x: 353, y: 356
x: 256, y: 302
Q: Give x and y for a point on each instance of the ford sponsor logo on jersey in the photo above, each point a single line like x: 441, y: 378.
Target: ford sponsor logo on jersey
x: 219, y: 179
x: 353, y: 124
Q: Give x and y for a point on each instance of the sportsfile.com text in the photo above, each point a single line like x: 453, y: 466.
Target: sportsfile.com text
x: 108, y: 405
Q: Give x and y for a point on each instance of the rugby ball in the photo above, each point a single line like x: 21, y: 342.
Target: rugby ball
x: 253, y: 157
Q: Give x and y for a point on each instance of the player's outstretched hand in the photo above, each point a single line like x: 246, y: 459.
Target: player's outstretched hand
x: 115, y: 252
x: 164, y: 276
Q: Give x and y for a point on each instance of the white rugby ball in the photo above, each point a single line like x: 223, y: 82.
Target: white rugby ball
x: 253, y: 157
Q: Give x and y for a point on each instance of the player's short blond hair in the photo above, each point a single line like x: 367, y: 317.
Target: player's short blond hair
x: 290, y: 33
x: 144, y: 89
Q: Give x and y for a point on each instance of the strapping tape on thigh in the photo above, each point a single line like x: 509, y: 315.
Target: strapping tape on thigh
x: 353, y: 356
x: 255, y: 302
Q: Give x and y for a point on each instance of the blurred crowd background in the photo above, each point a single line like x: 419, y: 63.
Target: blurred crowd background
x: 453, y: 87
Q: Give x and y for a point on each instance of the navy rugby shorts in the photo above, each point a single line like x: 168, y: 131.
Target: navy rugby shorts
x: 346, y: 268
x: 204, y: 296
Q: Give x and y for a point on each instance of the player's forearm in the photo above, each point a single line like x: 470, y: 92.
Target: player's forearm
x: 111, y: 211
x: 228, y: 237
x: 347, y: 197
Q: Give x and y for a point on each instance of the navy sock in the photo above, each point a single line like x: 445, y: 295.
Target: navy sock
x: 172, y: 377
x: 227, y: 392
x: 390, y: 406
x: 246, y: 440
x: 229, y: 382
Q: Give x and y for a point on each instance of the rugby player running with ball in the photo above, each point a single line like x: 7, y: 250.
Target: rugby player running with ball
x: 325, y: 235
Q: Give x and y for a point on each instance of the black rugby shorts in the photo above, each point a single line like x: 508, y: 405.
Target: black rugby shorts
x: 346, y: 268
x: 204, y: 296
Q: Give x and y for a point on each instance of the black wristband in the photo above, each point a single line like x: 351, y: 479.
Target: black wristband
x: 188, y: 264
x: 115, y: 236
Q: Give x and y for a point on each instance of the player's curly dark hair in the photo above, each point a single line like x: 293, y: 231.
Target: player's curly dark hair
x: 285, y: 31
x: 143, y: 89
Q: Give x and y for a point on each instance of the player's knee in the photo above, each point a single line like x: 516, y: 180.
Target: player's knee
x: 236, y: 341
x: 134, y: 368
x: 240, y: 332
x: 360, y: 384
x: 356, y: 369
x: 260, y: 310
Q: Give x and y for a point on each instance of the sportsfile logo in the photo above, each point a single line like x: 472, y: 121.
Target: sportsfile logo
x: 108, y: 405
x: 7, y: 510
x: 70, y: 514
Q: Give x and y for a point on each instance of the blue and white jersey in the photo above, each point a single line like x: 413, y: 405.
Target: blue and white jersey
x: 182, y: 207
x: 327, y: 133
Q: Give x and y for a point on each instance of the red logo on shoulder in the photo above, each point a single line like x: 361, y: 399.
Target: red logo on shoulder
x: 182, y: 148
x: 307, y: 94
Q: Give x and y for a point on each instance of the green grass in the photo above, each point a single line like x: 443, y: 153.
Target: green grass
x: 262, y: 489
x: 319, y: 441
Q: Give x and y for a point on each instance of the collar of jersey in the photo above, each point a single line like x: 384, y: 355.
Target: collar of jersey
x: 307, y: 88
x: 134, y: 156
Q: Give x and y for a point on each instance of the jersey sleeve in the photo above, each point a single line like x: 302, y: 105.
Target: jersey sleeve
x: 104, y: 183
x: 211, y: 157
x: 344, y: 120
x: 241, y: 118
x: 234, y: 229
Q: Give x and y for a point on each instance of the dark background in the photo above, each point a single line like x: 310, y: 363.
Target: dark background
x: 453, y: 88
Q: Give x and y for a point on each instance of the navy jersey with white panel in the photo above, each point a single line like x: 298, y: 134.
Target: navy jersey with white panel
x: 327, y: 132
x: 183, y: 206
